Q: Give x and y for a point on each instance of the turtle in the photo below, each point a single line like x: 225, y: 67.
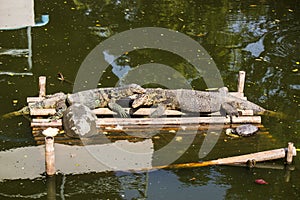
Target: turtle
x: 244, y: 130
x: 79, y: 121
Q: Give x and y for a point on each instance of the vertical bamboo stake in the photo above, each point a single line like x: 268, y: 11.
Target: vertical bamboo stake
x: 241, y: 81
x: 42, y: 86
x: 49, y: 155
x: 51, y: 188
x: 290, y: 153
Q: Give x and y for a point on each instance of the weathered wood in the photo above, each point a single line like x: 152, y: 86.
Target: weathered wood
x: 33, y: 99
x: 142, y: 121
x: 42, y: 112
x: 175, y: 121
x: 49, y: 156
x: 258, y: 157
x: 246, y: 119
x: 139, y: 112
x: 140, y: 124
x: 290, y: 153
x: 261, y: 165
x: 108, y: 129
x: 45, y: 123
x: 241, y: 81
x: 42, y: 86
x: 163, y: 120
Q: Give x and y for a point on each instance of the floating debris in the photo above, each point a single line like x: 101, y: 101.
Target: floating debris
x: 261, y: 182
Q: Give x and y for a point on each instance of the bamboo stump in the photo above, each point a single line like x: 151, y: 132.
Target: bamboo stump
x: 49, y: 155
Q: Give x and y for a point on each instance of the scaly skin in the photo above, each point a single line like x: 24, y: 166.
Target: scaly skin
x: 95, y: 98
x: 195, y: 101
x: 50, y: 101
x: 105, y: 97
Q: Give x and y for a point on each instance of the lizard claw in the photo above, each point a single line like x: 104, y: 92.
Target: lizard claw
x: 123, y: 114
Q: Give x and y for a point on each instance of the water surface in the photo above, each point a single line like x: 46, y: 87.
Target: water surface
x: 259, y: 37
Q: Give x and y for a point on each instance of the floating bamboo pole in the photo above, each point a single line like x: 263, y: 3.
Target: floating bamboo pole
x: 243, y: 159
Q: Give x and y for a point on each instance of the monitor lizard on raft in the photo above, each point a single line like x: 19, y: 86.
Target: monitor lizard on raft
x: 94, y: 98
x: 197, y: 101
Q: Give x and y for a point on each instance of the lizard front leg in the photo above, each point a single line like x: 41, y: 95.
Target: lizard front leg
x: 229, y: 109
x: 117, y: 108
x: 159, y: 111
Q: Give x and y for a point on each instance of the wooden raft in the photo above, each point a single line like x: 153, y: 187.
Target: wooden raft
x: 116, y: 128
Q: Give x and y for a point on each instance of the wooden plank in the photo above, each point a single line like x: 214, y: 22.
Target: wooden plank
x: 45, y: 123
x: 246, y: 119
x: 141, y: 111
x: 33, y: 99
x: 42, y: 112
x: 156, y: 121
x: 162, y: 121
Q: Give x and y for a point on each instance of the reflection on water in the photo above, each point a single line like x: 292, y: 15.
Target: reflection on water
x: 261, y: 37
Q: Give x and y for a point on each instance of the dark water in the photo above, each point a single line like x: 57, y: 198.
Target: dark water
x: 259, y: 37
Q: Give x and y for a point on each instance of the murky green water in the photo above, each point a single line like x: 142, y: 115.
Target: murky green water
x: 259, y: 37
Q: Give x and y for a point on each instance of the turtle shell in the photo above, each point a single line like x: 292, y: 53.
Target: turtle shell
x: 246, y: 130
x: 79, y: 121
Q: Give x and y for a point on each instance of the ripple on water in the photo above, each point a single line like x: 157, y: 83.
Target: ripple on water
x: 283, y: 43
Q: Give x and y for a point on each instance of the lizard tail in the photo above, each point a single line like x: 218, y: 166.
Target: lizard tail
x: 23, y: 111
x: 279, y: 115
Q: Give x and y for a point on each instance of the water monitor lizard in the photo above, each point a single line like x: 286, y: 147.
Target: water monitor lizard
x: 94, y: 98
x: 195, y: 101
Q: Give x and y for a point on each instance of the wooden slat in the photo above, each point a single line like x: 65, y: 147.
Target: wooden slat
x: 141, y: 111
x: 162, y: 121
x: 33, y: 99
x: 247, y: 119
x: 45, y: 123
x: 42, y: 112
x: 157, y: 121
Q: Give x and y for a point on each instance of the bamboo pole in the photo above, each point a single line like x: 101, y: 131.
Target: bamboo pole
x: 241, y: 81
x: 139, y: 112
x: 42, y: 86
x: 51, y: 187
x: 258, y: 157
x: 138, y: 122
x: 290, y: 153
x: 49, y: 155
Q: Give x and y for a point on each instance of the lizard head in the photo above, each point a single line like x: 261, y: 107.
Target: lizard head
x: 135, y: 88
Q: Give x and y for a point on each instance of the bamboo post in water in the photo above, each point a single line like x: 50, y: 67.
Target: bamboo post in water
x: 49, y: 155
x: 49, y: 150
x: 290, y: 153
x: 241, y: 81
x: 42, y: 86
